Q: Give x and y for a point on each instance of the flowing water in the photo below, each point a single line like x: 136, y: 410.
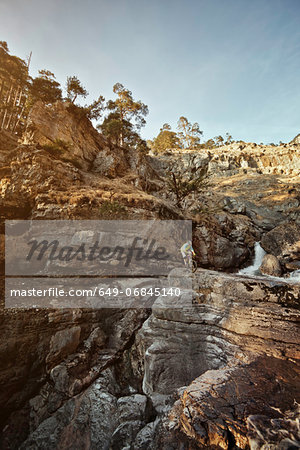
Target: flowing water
x: 259, y: 253
x: 253, y: 269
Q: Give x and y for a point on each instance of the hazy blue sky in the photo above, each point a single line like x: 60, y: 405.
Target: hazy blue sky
x: 231, y: 65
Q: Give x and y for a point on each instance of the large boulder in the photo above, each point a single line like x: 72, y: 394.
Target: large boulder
x: 271, y: 266
x: 223, y: 242
x: 284, y: 243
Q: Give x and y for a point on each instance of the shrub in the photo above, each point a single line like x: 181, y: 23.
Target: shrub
x: 58, y: 147
x: 112, y: 210
x: 60, y: 150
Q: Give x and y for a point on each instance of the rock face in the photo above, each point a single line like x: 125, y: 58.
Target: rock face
x: 283, y: 241
x: 49, y: 124
x: 234, y: 333
x: 242, y: 156
x: 214, y: 410
x: 271, y: 266
x: 236, y: 337
x: 258, y: 182
x: 56, y: 359
x: 227, y: 348
x: 95, y: 419
x: 77, y: 140
x: 222, y: 242
x: 230, y: 315
x: 38, y: 185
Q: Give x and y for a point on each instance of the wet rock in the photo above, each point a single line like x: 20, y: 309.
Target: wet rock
x: 271, y: 266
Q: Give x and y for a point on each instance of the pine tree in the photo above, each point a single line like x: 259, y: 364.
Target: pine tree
x: 75, y: 89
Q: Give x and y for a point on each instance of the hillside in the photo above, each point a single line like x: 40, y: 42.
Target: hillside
x: 220, y: 372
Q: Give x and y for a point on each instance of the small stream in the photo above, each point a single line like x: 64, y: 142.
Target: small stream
x: 253, y: 269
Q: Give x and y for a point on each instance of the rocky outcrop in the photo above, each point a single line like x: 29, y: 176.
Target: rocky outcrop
x: 266, y: 159
x: 229, y: 316
x: 56, y: 124
x: 223, y: 241
x: 213, y: 412
x: 237, y: 332
x: 296, y: 140
x: 255, y: 181
x: 284, y: 242
x: 242, y: 157
x: 38, y: 185
x: 66, y: 133
x: 109, y: 382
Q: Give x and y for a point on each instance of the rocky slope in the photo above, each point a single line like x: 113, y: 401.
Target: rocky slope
x: 226, y: 352
x: 252, y: 189
x: 65, y: 169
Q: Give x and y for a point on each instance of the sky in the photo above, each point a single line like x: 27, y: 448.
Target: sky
x: 232, y: 66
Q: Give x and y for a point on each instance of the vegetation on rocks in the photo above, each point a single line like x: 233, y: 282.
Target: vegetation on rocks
x: 112, y: 210
x: 106, y: 378
x: 183, y: 180
x: 124, y: 116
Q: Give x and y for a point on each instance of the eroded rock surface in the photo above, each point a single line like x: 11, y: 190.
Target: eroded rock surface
x: 213, y: 411
x: 229, y: 316
x: 224, y: 241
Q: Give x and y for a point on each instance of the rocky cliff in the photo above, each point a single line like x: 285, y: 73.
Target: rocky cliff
x: 218, y: 367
